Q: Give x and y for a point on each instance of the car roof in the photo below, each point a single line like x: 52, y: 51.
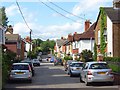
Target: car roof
x: 77, y: 62
x: 96, y: 62
x: 20, y: 64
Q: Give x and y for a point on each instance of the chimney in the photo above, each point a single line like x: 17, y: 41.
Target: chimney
x: 116, y: 4
x: 87, y: 25
x: 62, y: 38
x: 75, y: 32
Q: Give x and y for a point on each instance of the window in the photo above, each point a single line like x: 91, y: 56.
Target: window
x: 99, y: 66
x: 99, y: 37
x: 105, y: 35
x: 20, y: 67
x: 86, y: 66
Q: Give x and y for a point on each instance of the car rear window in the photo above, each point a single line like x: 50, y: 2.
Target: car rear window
x: 20, y: 67
x: 77, y: 65
x: 99, y: 66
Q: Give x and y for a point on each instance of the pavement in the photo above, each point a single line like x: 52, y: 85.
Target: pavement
x: 117, y: 78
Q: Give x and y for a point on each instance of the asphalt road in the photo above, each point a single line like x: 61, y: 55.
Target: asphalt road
x: 51, y: 77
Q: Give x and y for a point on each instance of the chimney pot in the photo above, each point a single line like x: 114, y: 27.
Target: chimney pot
x: 116, y: 4
x: 87, y: 25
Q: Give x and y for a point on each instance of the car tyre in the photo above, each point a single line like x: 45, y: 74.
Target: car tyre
x: 81, y: 79
x: 87, y: 83
x: 30, y: 81
x: 111, y: 83
x: 71, y: 75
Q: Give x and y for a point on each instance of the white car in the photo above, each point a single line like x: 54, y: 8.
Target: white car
x: 96, y: 72
x: 21, y: 71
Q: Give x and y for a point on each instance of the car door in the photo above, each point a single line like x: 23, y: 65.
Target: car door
x: 84, y: 71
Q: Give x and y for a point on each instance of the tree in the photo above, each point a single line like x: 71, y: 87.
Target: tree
x: 4, y: 18
x: 87, y: 55
x: 48, y: 45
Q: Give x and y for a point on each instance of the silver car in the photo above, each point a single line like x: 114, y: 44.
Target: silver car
x: 20, y: 71
x: 75, y: 68
x: 96, y: 72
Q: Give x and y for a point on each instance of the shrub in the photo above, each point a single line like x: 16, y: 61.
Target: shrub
x: 68, y: 58
x: 112, y: 59
x: 115, y: 68
x: 86, y: 55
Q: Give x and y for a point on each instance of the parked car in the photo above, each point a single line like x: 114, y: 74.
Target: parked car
x: 31, y: 65
x: 52, y: 59
x: 58, y: 61
x: 75, y: 68
x: 36, y: 62
x: 20, y: 71
x: 67, y: 64
x: 96, y: 72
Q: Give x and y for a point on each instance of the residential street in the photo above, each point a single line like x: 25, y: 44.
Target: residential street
x: 48, y: 76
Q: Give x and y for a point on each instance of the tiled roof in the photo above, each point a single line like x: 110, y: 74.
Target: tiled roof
x: 12, y: 37
x: 76, y: 37
x: 88, y: 34
x: 60, y: 42
x: 113, y: 14
x: 70, y: 38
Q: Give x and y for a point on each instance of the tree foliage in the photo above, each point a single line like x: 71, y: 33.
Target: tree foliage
x: 48, y: 45
x: 102, y: 28
x: 4, y: 18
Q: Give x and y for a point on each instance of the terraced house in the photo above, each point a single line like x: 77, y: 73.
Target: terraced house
x: 14, y: 43
x: 107, y: 30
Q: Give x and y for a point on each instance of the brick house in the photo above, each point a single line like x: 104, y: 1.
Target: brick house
x: 84, y: 40
x: 14, y: 43
x: 68, y: 45
x: 59, y: 47
x: 87, y: 38
x: 75, y: 45
x: 111, y: 30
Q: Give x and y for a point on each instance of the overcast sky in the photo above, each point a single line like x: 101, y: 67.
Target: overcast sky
x: 48, y: 24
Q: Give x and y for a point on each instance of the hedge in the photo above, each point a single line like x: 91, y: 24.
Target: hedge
x: 112, y: 59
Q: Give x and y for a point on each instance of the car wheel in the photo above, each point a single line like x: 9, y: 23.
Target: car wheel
x: 71, y: 74
x: 111, y: 83
x: 81, y: 79
x: 87, y: 83
x: 30, y: 81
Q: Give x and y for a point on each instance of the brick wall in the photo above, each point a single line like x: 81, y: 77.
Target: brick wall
x: 12, y: 47
x: 75, y: 51
x: 116, y: 40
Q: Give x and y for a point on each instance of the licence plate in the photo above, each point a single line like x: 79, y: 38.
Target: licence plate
x: 19, y: 72
x: 101, y: 72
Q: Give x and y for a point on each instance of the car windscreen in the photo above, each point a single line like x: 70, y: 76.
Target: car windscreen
x: 20, y: 67
x: 99, y: 66
x: 77, y: 65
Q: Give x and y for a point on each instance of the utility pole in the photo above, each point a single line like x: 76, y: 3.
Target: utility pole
x: 30, y: 43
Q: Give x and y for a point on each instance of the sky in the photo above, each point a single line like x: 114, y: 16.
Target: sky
x: 48, y: 21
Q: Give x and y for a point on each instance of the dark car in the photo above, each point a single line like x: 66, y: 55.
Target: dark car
x: 58, y: 61
x: 36, y: 62
x: 31, y: 65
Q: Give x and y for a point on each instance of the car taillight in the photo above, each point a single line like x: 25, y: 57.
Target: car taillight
x: 29, y: 68
x: 89, y: 73
x: 110, y: 72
